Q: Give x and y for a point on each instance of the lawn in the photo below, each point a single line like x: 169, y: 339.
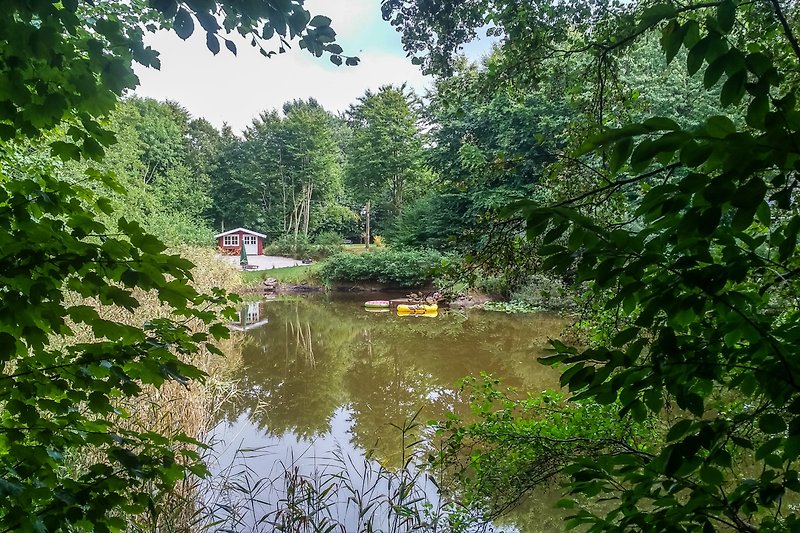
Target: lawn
x: 297, y: 275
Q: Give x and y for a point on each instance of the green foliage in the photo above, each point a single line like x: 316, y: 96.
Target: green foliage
x: 301, y: 248
x: 285, y: 176
x: 545, y: 292
x: 59, y: 398
x: 63, y: 67
x: 432, y: 221
x: 401, y: 268
x: 534, y: 293
x: 511, y: 307
x: 686, y: 231
x: 384, y: 153
x: 519, y: 442
x: 328, y: 238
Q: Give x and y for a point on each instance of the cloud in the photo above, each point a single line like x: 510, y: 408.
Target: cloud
x: 234, y: 89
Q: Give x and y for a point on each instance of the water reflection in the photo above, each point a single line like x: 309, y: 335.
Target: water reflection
x: 324, y: 374
x: 251, y: 316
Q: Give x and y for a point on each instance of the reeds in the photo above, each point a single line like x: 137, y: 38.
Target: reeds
x: 335, y: 493
x: 175, y: 409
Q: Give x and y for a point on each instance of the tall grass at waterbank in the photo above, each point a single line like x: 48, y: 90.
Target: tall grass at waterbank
x: 176, y: 409
x: 338, y: 493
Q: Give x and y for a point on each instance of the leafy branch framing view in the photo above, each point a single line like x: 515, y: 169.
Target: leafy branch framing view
x: 645, y: 154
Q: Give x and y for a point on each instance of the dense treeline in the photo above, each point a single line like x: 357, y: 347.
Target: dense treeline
x: 434, y: 169
x: 299, y: 172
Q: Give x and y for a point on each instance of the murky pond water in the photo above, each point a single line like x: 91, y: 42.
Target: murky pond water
x: 323, y: 380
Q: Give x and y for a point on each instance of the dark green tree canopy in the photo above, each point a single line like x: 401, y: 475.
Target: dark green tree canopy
x: 384, y: 154
x: 696, y: 267
x: 63, y: 67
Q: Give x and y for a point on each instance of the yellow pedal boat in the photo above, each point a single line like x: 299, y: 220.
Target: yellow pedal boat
x: 416, y: 309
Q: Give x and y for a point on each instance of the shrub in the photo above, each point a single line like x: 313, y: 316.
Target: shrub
x: 493, y: 285
x: 378, y: 241
x: 328, y: 238
x: 403, y: 268
x: 544, y: 292
x: 301, y: 248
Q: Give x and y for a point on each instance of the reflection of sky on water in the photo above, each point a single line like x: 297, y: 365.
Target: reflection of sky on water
x: 252, y: 458
x: 323, y: 380
x: 241, y: 440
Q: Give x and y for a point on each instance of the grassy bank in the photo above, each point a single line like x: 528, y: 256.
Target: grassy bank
x: 297, y: 275
x: 176, y: 409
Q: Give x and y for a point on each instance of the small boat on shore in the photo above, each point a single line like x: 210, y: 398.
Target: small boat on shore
x: 417, y: 309
x: 377, y: 304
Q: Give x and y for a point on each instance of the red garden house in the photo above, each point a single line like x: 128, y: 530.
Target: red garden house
x: 231, y: 242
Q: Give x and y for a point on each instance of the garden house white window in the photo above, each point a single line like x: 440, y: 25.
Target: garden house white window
x: 231, y: 240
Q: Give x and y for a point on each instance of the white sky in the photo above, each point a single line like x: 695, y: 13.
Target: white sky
x: 234, y: 89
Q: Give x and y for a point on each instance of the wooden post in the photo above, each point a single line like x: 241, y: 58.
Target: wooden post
x: 367, y: 239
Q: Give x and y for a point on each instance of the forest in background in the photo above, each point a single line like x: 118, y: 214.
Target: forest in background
x: 437, y: 168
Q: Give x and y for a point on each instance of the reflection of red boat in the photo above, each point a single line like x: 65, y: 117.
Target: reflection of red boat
x: 377, y: 304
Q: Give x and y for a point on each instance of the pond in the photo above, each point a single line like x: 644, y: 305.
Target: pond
x: 326, y: 386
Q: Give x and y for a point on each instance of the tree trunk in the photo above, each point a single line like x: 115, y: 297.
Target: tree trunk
x: 397, y: 194
x: 367, y: 236
x: 309, y: 190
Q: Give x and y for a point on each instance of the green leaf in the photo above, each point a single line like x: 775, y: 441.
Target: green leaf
x: 646, y: 151
x: 655, y: 14
x: 726, y: 15
x: 661, y: 123
x: 319, y: 21
x: 791, y: 448
x: 714, y: 71
x: 624, y: 337
x: 750, y: 195
x: 680, y: 429
x: 764, y: 213
x: 694, y: 154
x: 671, y: 39
x: 743, y: 218
x: 167, y: 7
x: 183, y: 24
x: 757, y: 111
x: 711, y: 475
x: 148, y: 243
x: 696, y: 56
x: 231, y: 46
x: 768, y: 447
x: 771, y: 423
x: 566, y: 504
x: 212, y: 43
x: 8, y: 346
x: 719, y: 126
x: 758, y: 63
x: 622, y: 150
x: 733, y: 89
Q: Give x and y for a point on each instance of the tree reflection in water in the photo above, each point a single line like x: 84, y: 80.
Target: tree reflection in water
x: 323, y: 373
